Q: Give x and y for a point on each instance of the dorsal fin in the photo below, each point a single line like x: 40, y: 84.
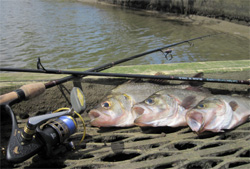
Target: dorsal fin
x: 201, y: 74
x: 159, y: 81
x: 195, y: 83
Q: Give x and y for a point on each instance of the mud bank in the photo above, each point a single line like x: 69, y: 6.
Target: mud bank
x: 231, y: 10
x: 223, y: 23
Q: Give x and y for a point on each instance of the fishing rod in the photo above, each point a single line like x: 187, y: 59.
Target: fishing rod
x: 32, y: 90
x: 165, y: 77
x: 111, y: 64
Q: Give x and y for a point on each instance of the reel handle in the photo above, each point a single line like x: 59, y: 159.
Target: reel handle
x: 34, y: 122
x: 24, y: 93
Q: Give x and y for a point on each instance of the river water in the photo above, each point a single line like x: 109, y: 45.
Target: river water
x: 68, y: 34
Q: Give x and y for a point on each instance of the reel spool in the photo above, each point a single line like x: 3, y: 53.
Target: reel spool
x: 64, y: 126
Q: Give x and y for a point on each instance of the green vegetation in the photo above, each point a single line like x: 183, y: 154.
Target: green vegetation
x: 171, y: 69
x: 185, y: 68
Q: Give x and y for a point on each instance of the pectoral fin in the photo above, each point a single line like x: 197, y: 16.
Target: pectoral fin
x: 234, y: 105
x: 188, y: 102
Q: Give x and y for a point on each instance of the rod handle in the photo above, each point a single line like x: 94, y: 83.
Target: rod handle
x: 24, y: 93
x: 8, y: 97
x: 33, y: 90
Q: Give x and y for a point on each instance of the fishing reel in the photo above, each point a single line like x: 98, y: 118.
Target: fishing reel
x: 48, y: 134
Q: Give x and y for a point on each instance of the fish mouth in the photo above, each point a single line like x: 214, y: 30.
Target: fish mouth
x: 142, y: 115
x: 138, y: 110
x: 94, y: 114
x: 195, y: 120
x: 100, y: 119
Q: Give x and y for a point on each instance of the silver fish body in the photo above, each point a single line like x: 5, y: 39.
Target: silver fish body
x: 217, y: 113
x: 166, y: 107
x: 115, y: 109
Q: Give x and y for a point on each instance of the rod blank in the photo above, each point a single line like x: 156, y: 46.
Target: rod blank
x: 85, y: 73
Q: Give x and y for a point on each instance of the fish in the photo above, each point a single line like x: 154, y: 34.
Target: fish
x: 167, y: 107
x: 218, y: 113
x: 114, y: 110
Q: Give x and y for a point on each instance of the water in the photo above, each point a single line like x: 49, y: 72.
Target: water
x: 67, y: 34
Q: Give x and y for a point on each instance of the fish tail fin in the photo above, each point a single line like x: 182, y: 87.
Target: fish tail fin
x: 160, y: 81
x: 195, y: 83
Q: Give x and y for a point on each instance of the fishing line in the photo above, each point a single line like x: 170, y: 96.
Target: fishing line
x: 61, y: 87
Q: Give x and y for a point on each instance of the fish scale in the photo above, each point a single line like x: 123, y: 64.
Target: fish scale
x: 219, y: 112
x: 141, y: 90
x: 167, y: 107
x: 108, y: 113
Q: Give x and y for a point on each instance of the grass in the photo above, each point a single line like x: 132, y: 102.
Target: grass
x: 186, y: 68
x: 170, y: 69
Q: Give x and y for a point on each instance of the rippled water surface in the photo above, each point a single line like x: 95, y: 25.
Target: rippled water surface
x: 68, y: 34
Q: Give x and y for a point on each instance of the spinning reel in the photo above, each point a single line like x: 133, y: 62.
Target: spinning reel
x: 41, y: 136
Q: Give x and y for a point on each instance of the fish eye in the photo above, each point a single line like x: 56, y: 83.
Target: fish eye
x: 106, y: 104
x: 149, y: 101
x: 201, y: 106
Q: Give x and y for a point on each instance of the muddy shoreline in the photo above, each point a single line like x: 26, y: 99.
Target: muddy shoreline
x: 133, y: 147
x: 221, y: 24
x: 228, y: 10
